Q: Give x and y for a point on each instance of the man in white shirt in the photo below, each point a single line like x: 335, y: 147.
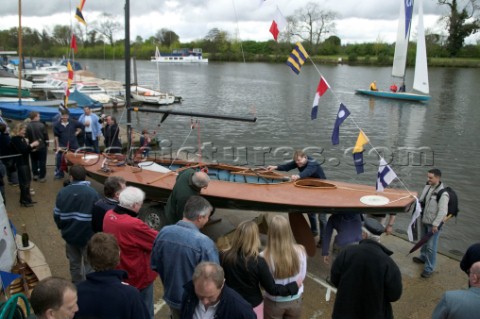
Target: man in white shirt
x: 93, y: 129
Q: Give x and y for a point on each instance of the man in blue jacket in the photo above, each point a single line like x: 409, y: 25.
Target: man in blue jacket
x: 93, y: 129
x: 179, y: 248
x: 73, y: 216
x: 105, y: 294
x: 207, y: 296
x: 308, y: 168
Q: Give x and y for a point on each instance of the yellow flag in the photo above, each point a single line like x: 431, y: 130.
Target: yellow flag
x: 361, y: 140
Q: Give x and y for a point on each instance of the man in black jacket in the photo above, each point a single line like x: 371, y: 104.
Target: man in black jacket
x: 208, y: 296
x: 368, y: 280
x: 37, y: 131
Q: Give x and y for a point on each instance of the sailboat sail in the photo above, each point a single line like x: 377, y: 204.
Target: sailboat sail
x: 403, y: 34
x: 420, y: 82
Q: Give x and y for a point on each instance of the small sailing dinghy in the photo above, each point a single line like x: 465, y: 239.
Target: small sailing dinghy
x: 420, y: 83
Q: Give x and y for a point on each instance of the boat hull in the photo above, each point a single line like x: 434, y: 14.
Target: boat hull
x: 47, y: 110
x: 149, y: 96
x: 395, y: 96
x: 263, y: 191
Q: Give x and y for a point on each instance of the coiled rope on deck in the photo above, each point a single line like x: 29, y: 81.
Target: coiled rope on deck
x: 10, y: 309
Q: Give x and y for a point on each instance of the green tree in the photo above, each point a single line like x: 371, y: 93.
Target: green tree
x: 216, y: 41
x: 62, y: 35
x: 460, y: 23
x: 167, y: 37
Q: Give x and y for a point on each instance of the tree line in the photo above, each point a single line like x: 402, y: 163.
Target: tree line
x: 310, y: 24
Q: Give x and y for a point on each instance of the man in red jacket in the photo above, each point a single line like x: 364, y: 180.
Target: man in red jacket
x: 135, y: 239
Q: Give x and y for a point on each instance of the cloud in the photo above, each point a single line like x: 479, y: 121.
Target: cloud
x: 360, y: 21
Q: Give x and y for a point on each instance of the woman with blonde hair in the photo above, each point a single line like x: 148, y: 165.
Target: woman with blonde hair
x: 21, y: 146
x: 245, y: 270
x: 287, y: 262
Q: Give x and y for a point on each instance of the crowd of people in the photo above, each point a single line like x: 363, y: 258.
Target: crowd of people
x: 114, y: 257
x: 24, y: 148
x: 393, y: 88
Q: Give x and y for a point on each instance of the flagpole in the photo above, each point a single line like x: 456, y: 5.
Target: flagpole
x: 20, y: 54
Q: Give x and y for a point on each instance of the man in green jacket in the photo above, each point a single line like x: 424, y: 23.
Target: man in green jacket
x: 188, y: 183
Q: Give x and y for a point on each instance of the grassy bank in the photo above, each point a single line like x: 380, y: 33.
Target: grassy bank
x: 362, y: 60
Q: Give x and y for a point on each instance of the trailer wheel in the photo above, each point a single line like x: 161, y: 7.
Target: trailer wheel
x: 153, y: 216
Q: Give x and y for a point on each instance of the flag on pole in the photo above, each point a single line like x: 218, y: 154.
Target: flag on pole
x: 279, y: 24
x: 342, y: 114
x: 297, y: 58
x: 358, y: 151
x: 385, y: 176
x: 73, y: 43
x: 69, y: 83
x: 79, y: 14
x: 415, y: 215
x: 157, y: 53
x: 321, y: 89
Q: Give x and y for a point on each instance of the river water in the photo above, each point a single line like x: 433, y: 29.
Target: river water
x: 413, y: 137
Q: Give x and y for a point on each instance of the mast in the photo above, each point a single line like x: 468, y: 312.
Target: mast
x: 20, y: 53
x: 127, y: 74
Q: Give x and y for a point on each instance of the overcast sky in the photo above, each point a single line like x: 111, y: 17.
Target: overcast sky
x: 360, y: 20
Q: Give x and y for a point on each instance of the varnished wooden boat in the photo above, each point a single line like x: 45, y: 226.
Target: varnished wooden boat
x: 239, y: 187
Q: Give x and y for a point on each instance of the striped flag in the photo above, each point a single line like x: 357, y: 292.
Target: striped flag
x: 385, y: 176
x: 79, y: 14
x: 321, y: 89
x: 297, y: 58
x: 69, y: 83
x: 358, y: 151
x: 279, y: 24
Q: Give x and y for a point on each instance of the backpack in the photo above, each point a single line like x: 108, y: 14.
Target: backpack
x: 452, y: 202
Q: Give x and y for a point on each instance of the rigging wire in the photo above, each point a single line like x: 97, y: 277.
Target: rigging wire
x: 192, y: 126
x: 238, y: 30
x: 351, y: 117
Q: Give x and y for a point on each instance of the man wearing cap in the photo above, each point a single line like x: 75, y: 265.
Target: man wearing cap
x: 367, y: 279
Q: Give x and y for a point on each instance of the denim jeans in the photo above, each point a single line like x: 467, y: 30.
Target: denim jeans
x: 58, y: 165
x: 91, y: 143
x: 147, y: 296
x: 322, y: 218
x: 428, y: 253
x: 79, y: 266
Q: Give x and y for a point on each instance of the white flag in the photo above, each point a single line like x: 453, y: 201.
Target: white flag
x: 157, y: 53
x: 385, y: 176
x: 416, y: 214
